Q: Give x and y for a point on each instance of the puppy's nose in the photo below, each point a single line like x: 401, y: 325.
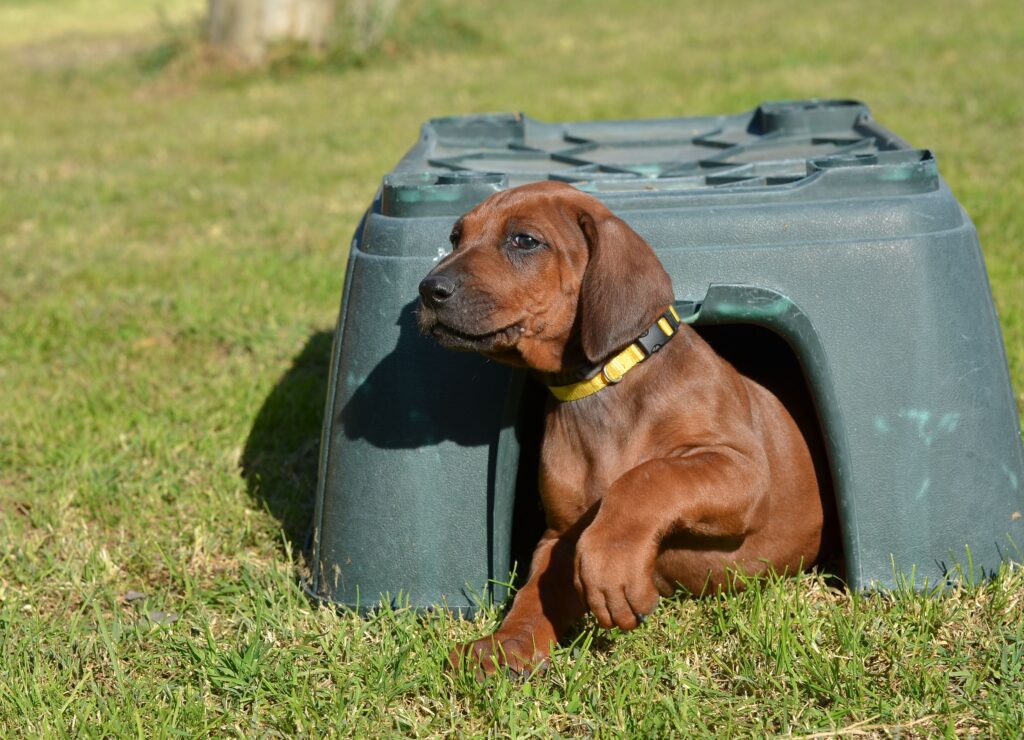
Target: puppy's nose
x: 436, y: 289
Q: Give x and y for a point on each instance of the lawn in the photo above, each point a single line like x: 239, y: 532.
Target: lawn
x: 172, y: 244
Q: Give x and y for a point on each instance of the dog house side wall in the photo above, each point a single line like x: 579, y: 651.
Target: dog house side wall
x: 418, y: 468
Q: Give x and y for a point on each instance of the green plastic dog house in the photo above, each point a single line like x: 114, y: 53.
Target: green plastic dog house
x: 807, y: 219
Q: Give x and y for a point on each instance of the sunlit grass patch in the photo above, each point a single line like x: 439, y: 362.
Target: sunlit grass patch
x: 172, y: 249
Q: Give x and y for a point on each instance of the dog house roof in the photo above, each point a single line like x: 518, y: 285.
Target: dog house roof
x: 796, y: 148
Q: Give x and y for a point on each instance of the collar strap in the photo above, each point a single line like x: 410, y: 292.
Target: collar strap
x: 652, y: 340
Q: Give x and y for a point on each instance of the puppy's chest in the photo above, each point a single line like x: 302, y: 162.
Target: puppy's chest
x: 579, y: 465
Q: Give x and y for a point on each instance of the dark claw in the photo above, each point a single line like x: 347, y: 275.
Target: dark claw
x: 641, y: 618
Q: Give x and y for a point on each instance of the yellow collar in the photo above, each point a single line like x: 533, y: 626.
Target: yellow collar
x: 612, y: 371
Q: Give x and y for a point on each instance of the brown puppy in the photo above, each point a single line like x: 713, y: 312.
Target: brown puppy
x: 670, y: 476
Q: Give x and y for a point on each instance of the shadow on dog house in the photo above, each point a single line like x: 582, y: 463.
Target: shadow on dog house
x: 806, y: 219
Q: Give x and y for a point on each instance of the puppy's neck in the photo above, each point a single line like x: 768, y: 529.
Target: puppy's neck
x: 586, y: 378
x: 574, y: 374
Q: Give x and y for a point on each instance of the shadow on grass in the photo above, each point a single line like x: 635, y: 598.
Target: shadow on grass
x: 279, y: 462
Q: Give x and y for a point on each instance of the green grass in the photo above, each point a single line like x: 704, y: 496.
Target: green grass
x: 172, y: 247
x: 37, y: 22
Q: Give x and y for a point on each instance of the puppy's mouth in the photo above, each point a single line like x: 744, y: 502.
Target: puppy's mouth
x: 451, y: 337
x: 454, y: 338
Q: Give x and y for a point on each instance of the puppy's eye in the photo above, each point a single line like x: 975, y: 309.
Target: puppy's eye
x: 454, y: 239
x: 525, y: 241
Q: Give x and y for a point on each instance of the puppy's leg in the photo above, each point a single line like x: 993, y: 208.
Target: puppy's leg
x: 714, y: 493
x: 542, y: 611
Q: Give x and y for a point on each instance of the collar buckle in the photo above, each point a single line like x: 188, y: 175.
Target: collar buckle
x: 608, y: 378
x: 659, y: 333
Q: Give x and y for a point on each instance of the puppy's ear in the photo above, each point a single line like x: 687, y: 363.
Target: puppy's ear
x: 624, y: 286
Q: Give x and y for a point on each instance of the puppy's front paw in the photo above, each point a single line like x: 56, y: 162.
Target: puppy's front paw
x: 515, y: 654
x: 615, y: 578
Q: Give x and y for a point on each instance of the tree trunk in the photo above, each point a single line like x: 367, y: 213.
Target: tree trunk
x: 245, y: 28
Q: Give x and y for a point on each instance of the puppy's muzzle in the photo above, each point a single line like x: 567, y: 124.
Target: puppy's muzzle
x: 436, y: 289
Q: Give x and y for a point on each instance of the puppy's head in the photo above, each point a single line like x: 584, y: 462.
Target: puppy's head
x: 543, y: 276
